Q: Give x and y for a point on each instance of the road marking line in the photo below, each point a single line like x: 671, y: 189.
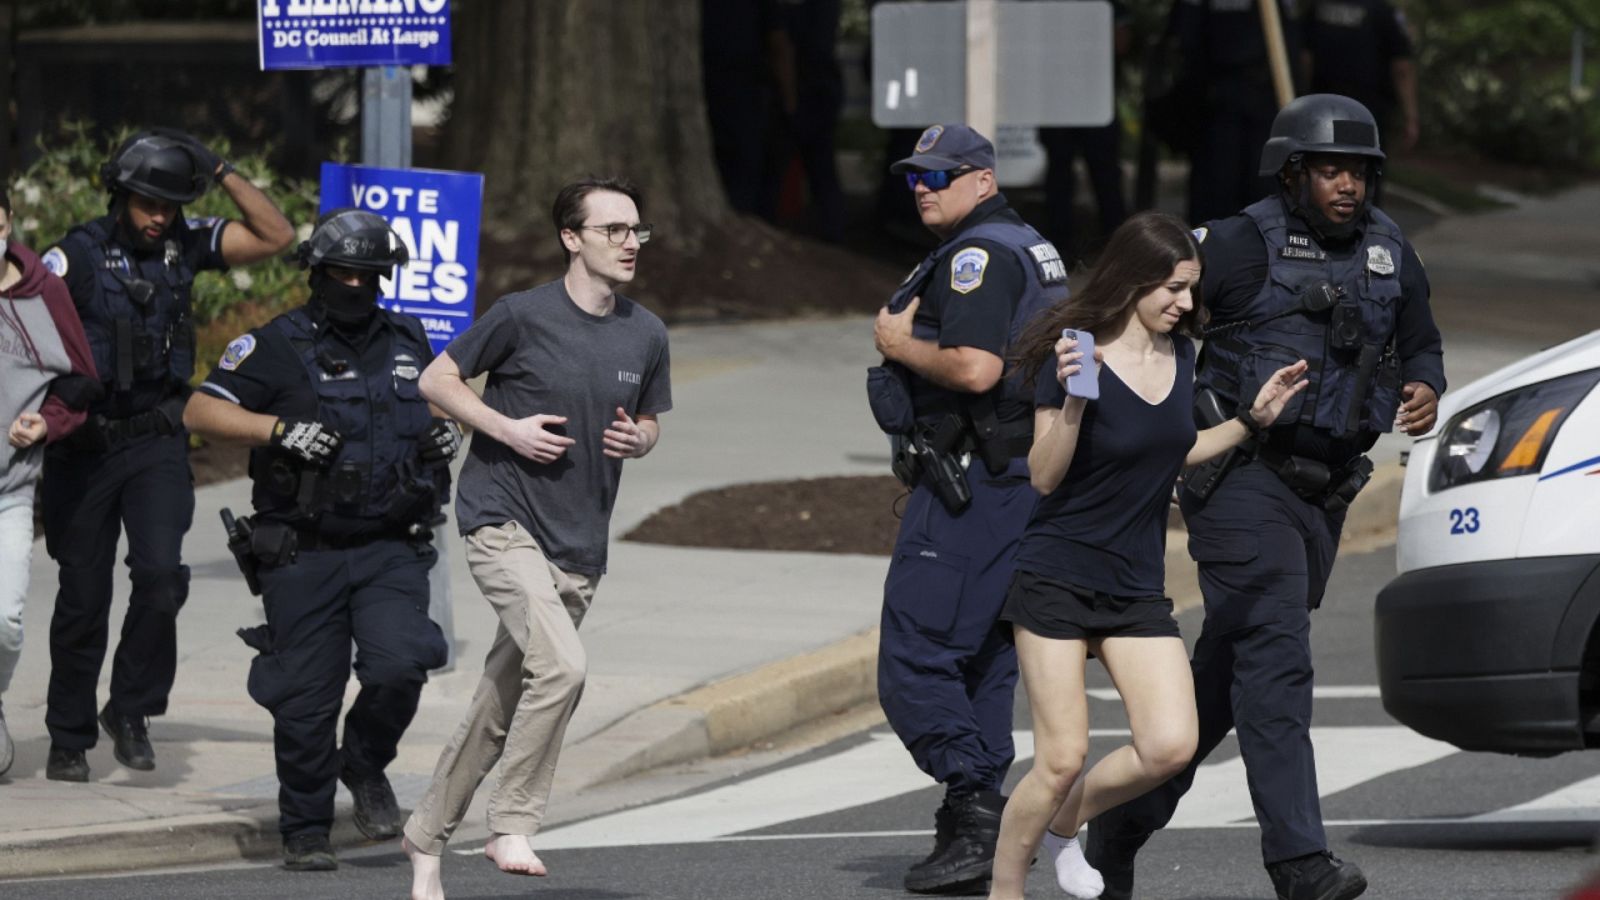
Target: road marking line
x: 1328, y: 692
x: 1573, y: 803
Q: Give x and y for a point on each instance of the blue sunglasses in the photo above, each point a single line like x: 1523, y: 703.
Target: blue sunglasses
x: 935, y: 181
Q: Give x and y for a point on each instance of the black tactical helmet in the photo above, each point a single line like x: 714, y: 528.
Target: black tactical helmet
x: 1320, y: 123
x: 355, y: 239
x: 156, y: 166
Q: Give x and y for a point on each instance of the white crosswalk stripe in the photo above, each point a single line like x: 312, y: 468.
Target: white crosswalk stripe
x: 879, y: 769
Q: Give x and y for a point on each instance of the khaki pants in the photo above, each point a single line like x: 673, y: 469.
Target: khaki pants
x: 532, y: 679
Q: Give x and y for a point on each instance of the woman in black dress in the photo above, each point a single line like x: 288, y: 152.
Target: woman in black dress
x: 1090, y: 570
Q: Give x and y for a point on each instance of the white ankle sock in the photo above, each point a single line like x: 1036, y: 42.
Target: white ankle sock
x: 1073, y: 872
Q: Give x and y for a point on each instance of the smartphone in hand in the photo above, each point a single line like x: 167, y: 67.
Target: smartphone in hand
x: 1086, y: 383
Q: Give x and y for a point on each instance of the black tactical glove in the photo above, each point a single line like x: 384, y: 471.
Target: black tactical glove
x: 213, y: 165
x: 440, y: 443
x: 306, y: 440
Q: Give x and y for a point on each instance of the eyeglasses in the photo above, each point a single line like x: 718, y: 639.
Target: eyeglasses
x: 617, y: 233
x: 935, y: 181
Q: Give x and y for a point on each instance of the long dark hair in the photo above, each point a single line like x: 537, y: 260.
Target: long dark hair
x: 1139, y: 258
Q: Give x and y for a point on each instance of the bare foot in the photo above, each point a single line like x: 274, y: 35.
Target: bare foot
x: 425, y: 884
x: 513, y: 854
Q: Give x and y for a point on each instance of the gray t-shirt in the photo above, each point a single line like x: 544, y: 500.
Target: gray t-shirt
x: 545, y: 355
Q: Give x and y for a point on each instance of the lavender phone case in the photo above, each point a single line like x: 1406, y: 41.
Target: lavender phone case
x: 1086, y: 383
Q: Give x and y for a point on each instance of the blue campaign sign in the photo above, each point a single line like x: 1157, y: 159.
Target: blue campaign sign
x: 436, y: 214
x: 321, y: 34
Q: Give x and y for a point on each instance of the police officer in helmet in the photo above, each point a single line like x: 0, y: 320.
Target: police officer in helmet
x: 946, y: 666
x: 351, y: 468
x: 130, y: 274
x: 1314, y: 272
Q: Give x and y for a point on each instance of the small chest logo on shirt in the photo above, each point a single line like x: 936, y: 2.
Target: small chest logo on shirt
x: 1300, y: 247
x: 629, y: 377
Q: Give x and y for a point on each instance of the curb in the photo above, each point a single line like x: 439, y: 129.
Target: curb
x: 736, y: 712
x: 250, y: 833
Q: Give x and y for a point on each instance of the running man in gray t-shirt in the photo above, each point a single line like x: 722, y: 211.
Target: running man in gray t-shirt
x: 577, y: 376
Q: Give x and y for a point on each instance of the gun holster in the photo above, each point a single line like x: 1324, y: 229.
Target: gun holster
x: 931, y: 453
x: 1202, y: 480
x: 239, y: 532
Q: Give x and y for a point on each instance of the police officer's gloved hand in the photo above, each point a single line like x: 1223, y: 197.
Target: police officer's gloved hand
x: 308, y: 441
x: 213, y: 165
x: 440, y: 442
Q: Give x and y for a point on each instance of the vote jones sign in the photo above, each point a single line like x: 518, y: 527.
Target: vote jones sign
x: 436, y: 214
x: 317, y: 34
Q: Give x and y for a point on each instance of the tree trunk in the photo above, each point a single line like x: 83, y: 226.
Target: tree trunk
x: 547, y: 91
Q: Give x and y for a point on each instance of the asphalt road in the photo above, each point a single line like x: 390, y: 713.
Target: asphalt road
x: 844, y: 819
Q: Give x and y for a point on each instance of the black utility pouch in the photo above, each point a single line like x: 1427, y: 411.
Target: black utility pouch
x: 273, y: 544
x: 889, y: 395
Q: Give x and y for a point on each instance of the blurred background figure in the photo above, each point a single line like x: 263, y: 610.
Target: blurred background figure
x: 1229, y: 82
x: 1362, y: 49
x: 1101, y: 150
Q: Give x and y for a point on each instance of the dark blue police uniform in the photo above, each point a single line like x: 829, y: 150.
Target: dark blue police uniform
x: 946, y: 670
x: 1266, y: 538
x: 128, y: 468
x: 1223, y: 51
x: 1353, y: 45
x: 356, y: 563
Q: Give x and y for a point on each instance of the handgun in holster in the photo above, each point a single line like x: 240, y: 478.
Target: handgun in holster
x: 1202, y: 480
x: 239, y: 531
x: 931, y: 452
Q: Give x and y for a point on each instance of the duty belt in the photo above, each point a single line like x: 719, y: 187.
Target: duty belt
x: 118, y: 431
x: 1330, y: 487
x: 313, y: 539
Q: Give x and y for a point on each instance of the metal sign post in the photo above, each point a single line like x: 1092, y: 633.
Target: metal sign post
x: 386, y: 117
x: 983, y: 66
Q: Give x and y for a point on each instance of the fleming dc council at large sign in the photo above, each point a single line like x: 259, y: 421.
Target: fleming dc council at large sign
x: 315, y: 33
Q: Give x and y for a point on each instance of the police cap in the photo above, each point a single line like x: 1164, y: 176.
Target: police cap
x: 156, y: 166
x: 945, y: 147
x: 1320, y: 123
x: 355, y: 239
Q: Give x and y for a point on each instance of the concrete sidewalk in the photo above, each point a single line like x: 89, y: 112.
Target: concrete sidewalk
x: 691, y: 651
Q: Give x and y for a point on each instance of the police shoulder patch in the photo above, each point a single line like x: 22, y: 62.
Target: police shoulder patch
x: 1200, y: 234
x: 966, y: 269
x: 55, y: 261
x: 237, y: 352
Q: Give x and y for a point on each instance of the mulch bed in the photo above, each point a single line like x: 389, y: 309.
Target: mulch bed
x: 816, y: 515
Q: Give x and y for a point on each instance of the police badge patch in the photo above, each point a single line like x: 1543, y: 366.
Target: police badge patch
x: 966, y: 270
x: 929, y: 138
x: 1379, y: 262
x: 237, y: 352
x: 55, y: 260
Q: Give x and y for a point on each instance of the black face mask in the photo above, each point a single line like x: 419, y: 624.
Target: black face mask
x: 343, y: 304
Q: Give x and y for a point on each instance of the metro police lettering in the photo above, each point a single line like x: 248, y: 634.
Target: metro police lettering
x: 629, y: 377
x: 1051, y: 269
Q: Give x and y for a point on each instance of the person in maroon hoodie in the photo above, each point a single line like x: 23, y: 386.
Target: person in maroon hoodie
x: 47, y: 381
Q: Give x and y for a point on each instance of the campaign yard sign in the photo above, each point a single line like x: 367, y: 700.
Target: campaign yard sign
x: 436, y: 214
x: 320, y: 34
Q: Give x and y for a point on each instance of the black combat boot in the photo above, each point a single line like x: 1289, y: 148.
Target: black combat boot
x: 130, y: 739
x: 309, y: 852
x: 377, y: 813
x: 66, y: 765
x: 1317, y: 876
x: 965, y: 862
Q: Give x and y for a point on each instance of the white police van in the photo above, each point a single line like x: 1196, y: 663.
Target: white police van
x: 1490, y: 636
